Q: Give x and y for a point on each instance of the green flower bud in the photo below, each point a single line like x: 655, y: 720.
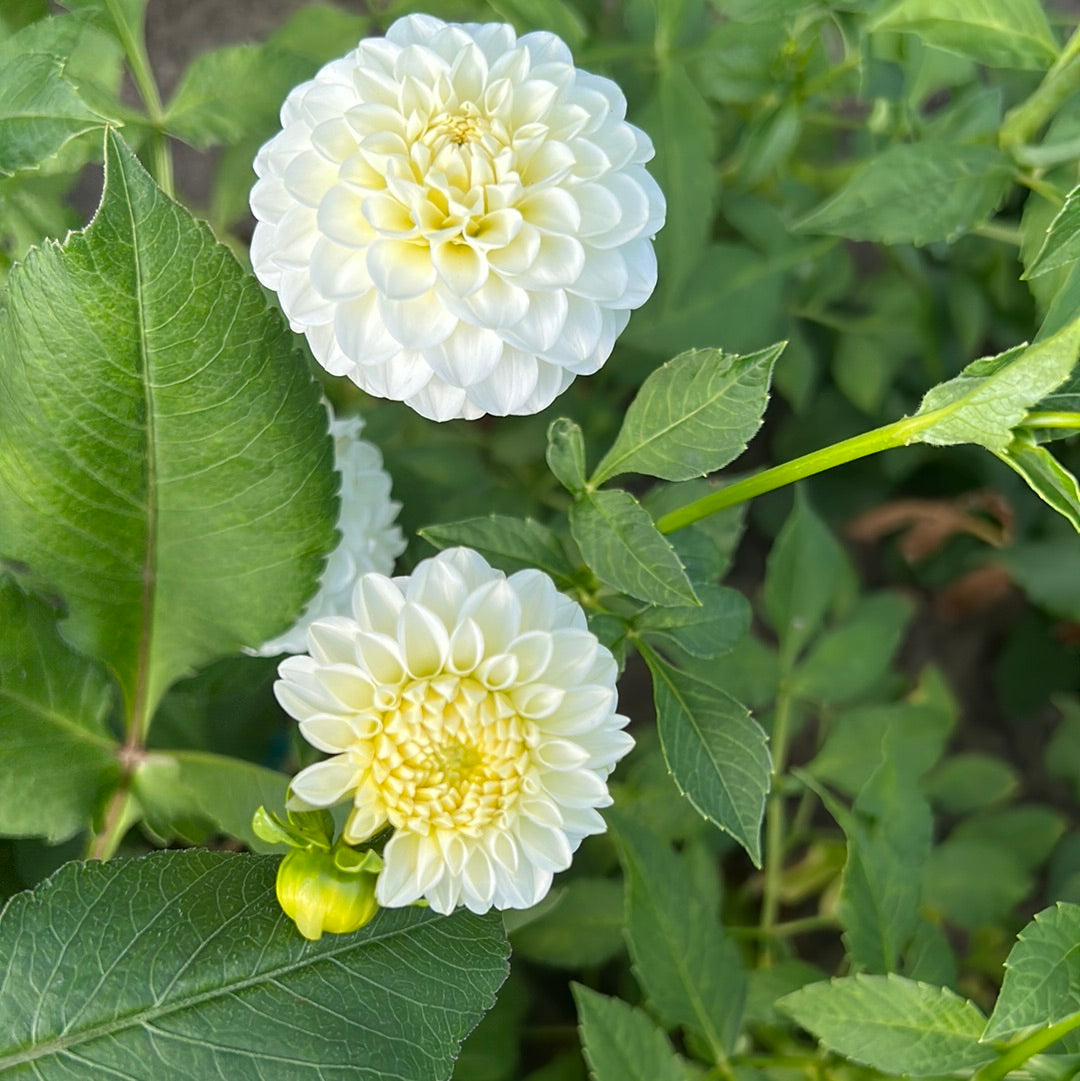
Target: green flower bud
x: 318, y: 895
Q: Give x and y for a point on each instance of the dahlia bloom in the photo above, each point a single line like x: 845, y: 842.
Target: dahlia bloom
x: 457, y: 218
x: 370, y: 539
x: 473, y: 713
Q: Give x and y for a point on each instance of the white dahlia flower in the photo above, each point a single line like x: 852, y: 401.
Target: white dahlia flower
x: 472, y: 712
x: 370, y: 538
x: 457, y: 218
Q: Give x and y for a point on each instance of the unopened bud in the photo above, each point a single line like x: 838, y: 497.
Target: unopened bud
x: 319, y: 895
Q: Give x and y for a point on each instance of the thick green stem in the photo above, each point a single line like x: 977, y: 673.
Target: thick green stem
x: 1027, y: 1048
x: 897, y: 434
x: 121, y: 814
x: 139, y: 63
x: 1023, y: 122
x: 1051, y: 420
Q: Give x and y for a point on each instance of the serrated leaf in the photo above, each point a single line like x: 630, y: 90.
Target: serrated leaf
x: 1062, y: 244
x: 1045, y: 476
x: 849, y: 659
x: 692, y: 415
x: 57, y: 758
x: 803, y: 575
x: 680, y: 123
x: 991, y: 396
x: 622, y: 1043
x: 185, y: 958
x: 624, y: 549
x: 892, y: 1024
x: 178, y: 787
x: 710, y: 630
x: 690, y: 971
x: 715, y: 750
x: 511, y: 544
x: 999, y: 33
x: 225, y: 94
x: 915, y: 193
x: 566, y: 454
x: 1042, y: 974
x: 164, y: 462
x: 40, y: 110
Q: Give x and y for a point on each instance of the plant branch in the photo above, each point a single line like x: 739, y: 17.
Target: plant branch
x: 1026, y: 119
x: 774, y: 821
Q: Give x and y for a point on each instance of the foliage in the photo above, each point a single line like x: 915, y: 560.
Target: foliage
x: 841, y: 844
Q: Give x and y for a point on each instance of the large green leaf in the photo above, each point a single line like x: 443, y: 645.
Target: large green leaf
x: 895, y: 1025
x: 181, y: 964
x: 57, y: 760
x: 715, y: 750
x: 714, y: 628
x: 1042, y: 974
x: 623, y: 548
x: 164, y: 462
x: 40, y: 110
x: 691, y: 973
x: 915, y: 193
x: 622, y: 1043
x: 999, y: 33
x: 692, y: 416
x: 1061, y: 246
x: 991, y: 396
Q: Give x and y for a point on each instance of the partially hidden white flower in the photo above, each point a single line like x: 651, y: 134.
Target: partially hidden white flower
x: 472, y: 712
x: 370, y: 538
x: 457, y: 218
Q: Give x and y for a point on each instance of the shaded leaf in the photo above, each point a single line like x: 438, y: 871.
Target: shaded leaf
x: 692, y: 415
x: 691, y: 973
x: 892, y: 1024
x: 973, y: 883
x: 1062, y: 244
x: 715, y: 750
x: 915, y: 193
x: 710, y: 630
x: 57, y: 758
x: 583, y: 928
x: 555, y: 16
x: 970, y: 781
x: 623, y: 547
x: 189, y: 511
x: 566, y: 454
x: 622, y: 1043
x: 185, y: 959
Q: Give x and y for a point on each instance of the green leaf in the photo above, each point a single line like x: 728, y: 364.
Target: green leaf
x: 847, y: 661
x: 164, y: 462
x: 973, y: 883
x: 623, y: 547
x: 227, y: 93
x: 915, y: 193
x: 554, y: 16
x: 566, y: 454
x: 319, y: 32
x: 804, y: 573
x: 1045, y: 475
x: 710, y: 630
x: 57, y: 759
x: 185, y: 958
x: 511, y: 544
x: 715, y: 751
x: 892, y: 1024
x: 1028, y: 832
x: 681, y: 125
x: 991, y: 396
x: 176, y: 788
x: 1042, y: 974
x: 969, y: 782
x: 1062, y: 244
x: 1049, y: 573
x: 622, y: 1043
x: 40, y: 110
x: 690, y: 971
x: 692, y: 415
x: 104, y: 13
x: 998, y: 33
x: 583, y: 928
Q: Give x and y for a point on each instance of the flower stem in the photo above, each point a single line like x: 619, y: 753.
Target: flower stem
x: 897, y: 434
x: 161, y: 167
x: 1026, y: 119
x: 120, y: 815
x: 774, y: 823
x: 1051, y: 420
x: 1019, y: 1053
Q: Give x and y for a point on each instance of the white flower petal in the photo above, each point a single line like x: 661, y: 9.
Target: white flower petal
x: 325, y: 783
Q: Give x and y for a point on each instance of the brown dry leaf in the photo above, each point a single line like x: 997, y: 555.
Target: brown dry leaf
x: 975, y: 592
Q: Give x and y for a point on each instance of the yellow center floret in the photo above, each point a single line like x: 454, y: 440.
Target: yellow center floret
x: 451, y: 754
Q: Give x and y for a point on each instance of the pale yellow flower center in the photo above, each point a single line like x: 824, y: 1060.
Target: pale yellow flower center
x: 451, y: 754
x: 467, y: 125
